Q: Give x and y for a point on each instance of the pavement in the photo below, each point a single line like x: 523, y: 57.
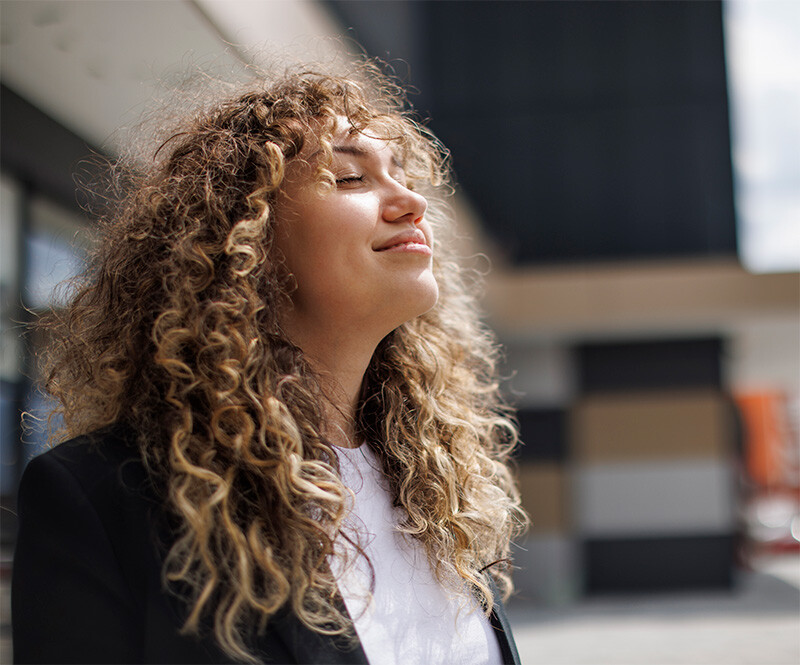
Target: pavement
x: 758, y: 623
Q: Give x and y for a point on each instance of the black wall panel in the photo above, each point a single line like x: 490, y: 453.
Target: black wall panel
x: 581, y: 130
x: 543, y: 435
x: 651, y: 365
x: 659, y: 564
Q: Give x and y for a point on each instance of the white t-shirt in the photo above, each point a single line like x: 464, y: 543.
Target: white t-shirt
x: 411, y: 617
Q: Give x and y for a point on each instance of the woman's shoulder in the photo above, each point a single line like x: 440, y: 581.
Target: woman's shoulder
x: 104, y: 462
x: 95, y: 485
x: 110, y: 444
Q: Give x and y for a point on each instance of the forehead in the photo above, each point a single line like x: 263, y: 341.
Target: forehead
x: 344, y: 141
x: 366, y: 142
x: 368, y: 148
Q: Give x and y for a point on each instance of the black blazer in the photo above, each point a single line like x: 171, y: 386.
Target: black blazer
x: 87, y: 586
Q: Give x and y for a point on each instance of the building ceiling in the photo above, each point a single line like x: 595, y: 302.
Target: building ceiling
x: 95, y: 67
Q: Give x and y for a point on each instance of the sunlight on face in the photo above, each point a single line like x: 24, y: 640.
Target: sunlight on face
x: 361, y: 253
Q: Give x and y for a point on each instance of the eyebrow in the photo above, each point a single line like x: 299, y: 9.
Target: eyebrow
x: 360, y: 152
x: 350, y: 150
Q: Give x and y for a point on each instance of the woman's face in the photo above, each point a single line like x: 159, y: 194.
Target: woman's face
x: 361, y: 254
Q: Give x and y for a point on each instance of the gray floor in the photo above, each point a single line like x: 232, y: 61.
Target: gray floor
x: 757, y: 624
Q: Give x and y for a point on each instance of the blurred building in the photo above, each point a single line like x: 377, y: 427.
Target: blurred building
x: 592, y: 146
x: 593, y: 141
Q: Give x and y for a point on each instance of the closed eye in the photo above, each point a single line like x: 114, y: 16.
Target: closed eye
x: 349, y: 179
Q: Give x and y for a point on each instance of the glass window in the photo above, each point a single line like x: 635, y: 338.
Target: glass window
x: 10, y: 347
x: 9, y: 295
x: 57, y: 245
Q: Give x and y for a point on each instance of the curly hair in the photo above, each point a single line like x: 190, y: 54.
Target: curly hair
x: 175, y: 330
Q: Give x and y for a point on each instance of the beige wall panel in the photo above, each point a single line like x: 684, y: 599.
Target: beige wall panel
x: 675, y: 425
x: 627, y: 297
x: 544, y: 497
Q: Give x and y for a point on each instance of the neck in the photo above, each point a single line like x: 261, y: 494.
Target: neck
x: 341, y: 384
x: 341, y: 360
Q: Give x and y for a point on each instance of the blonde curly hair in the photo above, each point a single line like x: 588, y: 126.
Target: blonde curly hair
x: 174, y: 330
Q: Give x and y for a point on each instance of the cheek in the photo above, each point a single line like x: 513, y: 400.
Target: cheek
x: 327, y: 239
x: 297, y: 236
x: 342, y: 228
x: 317, y: 253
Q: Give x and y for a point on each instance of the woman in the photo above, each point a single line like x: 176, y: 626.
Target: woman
x: 288, y: 442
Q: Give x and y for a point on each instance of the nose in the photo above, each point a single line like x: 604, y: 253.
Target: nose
x: 404, y: 205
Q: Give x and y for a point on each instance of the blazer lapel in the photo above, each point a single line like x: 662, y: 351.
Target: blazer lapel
x: 502, y: 628
x: 308, y: 646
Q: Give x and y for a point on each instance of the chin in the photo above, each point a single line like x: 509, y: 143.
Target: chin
x: 424, y: 299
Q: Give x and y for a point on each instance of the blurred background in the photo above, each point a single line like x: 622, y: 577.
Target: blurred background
x: 631, y: 170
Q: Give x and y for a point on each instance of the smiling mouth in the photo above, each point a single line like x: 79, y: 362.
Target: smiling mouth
x: 412, y: 247
x: 411, y: 240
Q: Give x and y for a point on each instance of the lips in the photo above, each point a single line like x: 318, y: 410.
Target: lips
x: 410, y: 237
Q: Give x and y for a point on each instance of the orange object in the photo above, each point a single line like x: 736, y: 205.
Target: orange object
x: 770, y: 445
